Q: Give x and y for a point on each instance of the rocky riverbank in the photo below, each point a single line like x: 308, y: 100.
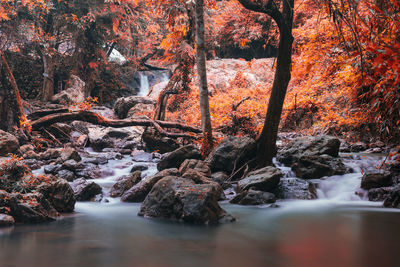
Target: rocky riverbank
x: 186, y: 187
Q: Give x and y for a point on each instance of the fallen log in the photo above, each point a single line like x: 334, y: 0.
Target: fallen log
x: 94, y: 118
x: 44, y: 112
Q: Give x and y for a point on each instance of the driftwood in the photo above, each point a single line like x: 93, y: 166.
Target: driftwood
x: 97, y: 119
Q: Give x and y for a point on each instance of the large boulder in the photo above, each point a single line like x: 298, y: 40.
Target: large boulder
x: 101, y: 137
x: 393, y: 200
x: 139, y: 191
x: 265, y: 179
x: 27, y: 208
x: 182, y: 200
x: 196, y: 165
x: 73, y: 94
x: 85, y: 190
x: 124, y: 104
x: 379, y: 194
x: 376, y: 179
x: 154, y: 141
x: 309, y: 146
x: 295, y: 188
x: 253, y: 197
x: 124, y: 183
x: 8, y: 144
x: 6, y: 220
x: 175, y: 158
x: 314, y: 167
x: 232, y: 152
x: 60, y: 195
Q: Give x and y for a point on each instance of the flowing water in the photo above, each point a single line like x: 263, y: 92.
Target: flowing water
x: 338, y: 229
x: 145, y: 84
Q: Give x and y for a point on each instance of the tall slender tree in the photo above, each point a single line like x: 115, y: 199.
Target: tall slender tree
x: 202, y: 74
x: 282, y: 13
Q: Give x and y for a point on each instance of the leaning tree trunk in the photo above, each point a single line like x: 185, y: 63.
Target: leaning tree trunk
x: 202, y: 74
x: 284, y: 19
x: 7, y: 103
x: 268, y: 136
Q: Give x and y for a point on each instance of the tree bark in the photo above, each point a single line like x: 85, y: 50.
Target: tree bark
x: 11, y: 79
x: 97, y: 119
x: 266, y: 141
x: 48, y: 74
x: 202, y: 74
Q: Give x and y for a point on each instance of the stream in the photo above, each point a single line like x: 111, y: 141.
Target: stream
x: 338, y: 229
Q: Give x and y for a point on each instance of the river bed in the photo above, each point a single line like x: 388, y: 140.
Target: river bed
x: 338, y: 229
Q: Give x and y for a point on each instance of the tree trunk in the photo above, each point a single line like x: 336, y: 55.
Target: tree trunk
x: 284, y: 19
x: 202, y: 74
x: 48, y: 74
x: 267, y: 139
x: 11, y: 80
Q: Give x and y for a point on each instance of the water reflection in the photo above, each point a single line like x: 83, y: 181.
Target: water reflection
x: 115, y: 236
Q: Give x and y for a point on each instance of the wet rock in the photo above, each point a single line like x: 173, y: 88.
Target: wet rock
x: 376, y: 179
x: 85, y: 190
x: 26, y: 148
x: 101, y: 143
x: 52, y: 168
x: 33, y: 164
x: 124, y: 104
x: 393, y: 200
x: 66, y: 174
x: 197, y: 165
x: 99, y: 160
x: 142, y: 157
x: 72, y: 165
x: 139, y: 191
x: 73, y: 94
x: 314, y: 167
x: 131, y: 145
x: 175, y: 158
x: 265, y: 179
x: 124, y: 183
x: 139, y: 168
x: 101, y: 138
x: 60, y: 195
x: 253, y: 197
x: 89, y: 171
x: 70, y: 153
x: 295, y: 188
x: 199, y: 178
x: 31, y: 155
x: 357, y: 147
x: 6, y: 220
x: 80, y: 126
x: 379, y: 194
x: 182, y: 200
x: 232, y: 152
x: 155, y: 142
x: 51, y: 153
x: 8, y: 144
x: 309, y: 146
x: 222, y: 179
x: 27, y: 208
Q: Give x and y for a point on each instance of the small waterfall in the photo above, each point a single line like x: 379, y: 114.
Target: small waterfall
x: 144, y: 85
x: 164, y: 77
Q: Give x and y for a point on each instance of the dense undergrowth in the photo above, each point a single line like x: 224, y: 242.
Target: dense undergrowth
x: 344, y: 78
